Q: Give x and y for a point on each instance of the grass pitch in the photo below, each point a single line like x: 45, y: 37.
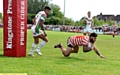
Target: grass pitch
x: 54, y: 63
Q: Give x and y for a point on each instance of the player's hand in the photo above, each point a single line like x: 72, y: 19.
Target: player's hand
x: 85, y: 22
x: 45, y: 33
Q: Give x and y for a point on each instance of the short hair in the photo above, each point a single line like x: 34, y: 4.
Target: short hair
x: 89, y: 11
x: 93, y: 34
x: 47, y: 7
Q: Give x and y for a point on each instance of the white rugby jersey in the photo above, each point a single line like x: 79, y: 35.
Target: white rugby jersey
x: 88, y: 22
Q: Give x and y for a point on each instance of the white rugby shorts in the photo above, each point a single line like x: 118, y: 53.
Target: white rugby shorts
x: 88, y: 30
x: 34, y: 33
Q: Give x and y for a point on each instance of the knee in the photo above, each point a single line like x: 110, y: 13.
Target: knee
x: 66, y: 55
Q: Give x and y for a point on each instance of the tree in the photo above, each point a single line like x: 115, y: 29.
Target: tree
x: 0, y: 17
x: 110, y: 22
x: 34, y: 6
x: 80, y: 22
x: 56, y: 16
x: 55, y: 11
x: 69, y: 21
x: 52, y: 20
x: 77, y: 23
x: 30, y: 18
x: 118, y: 25
x: 98, y: 22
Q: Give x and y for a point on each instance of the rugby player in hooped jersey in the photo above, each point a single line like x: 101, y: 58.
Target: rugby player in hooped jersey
x: 74, y: 42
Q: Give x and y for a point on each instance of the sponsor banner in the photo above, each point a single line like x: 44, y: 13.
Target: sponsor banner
x: 15, y: 27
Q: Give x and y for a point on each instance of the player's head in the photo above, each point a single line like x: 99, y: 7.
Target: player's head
x: 47, y: 9
x: 89, y: 14
x: 93, y: 37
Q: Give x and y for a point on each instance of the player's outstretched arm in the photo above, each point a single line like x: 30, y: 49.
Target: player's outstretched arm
x: 97, y: 51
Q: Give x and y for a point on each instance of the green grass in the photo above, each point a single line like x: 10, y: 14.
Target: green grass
x: 54, y: 63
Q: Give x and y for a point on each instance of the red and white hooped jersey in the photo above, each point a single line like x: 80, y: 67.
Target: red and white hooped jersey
x: 79, y: 40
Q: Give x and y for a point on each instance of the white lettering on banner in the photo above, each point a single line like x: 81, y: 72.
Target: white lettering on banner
x: 22, y: 33
x: 9, y: 27
x: 9, y: 11
x: 10, y: 34
x: 22, y: 23
x: 22, y: 10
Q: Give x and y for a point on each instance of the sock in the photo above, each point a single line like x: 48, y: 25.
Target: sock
x: 33, y: 47
x: 41, y: 45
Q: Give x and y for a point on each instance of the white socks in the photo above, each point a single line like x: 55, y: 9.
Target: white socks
x: 33, y: 47
x: 41, y: 45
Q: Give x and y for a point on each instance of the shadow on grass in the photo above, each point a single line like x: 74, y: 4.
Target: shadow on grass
x: 65, y: 60
x: 72, y: 58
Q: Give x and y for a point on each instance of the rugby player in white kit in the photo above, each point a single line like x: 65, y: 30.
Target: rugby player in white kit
x: 38, y: 31
x: 88, y: 21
